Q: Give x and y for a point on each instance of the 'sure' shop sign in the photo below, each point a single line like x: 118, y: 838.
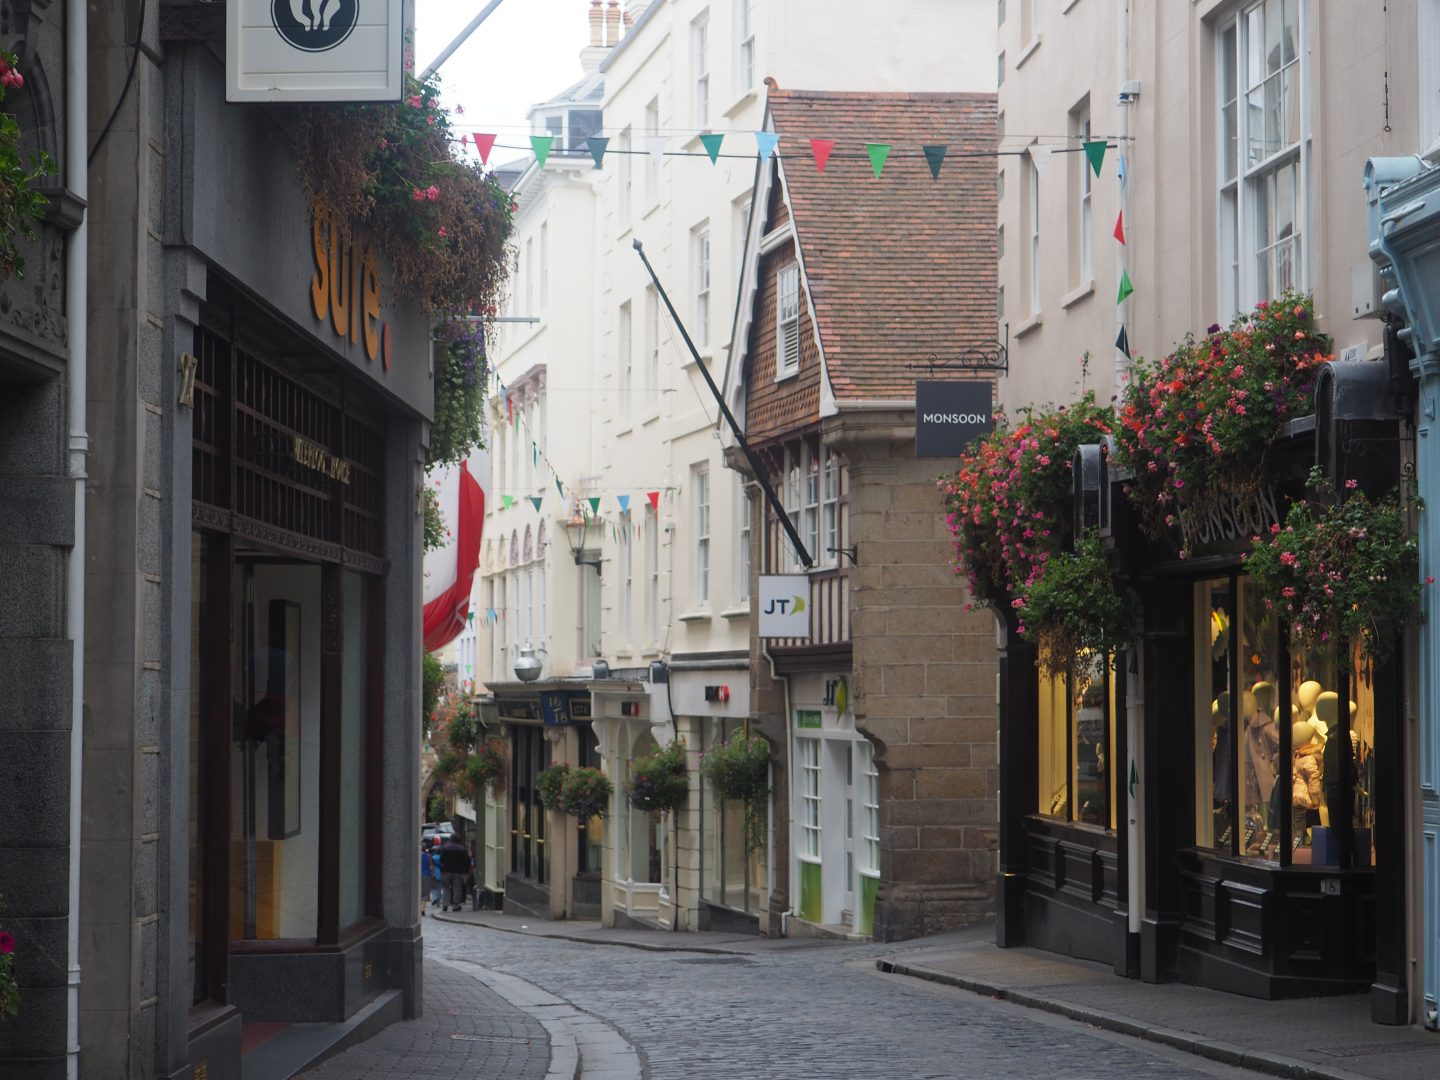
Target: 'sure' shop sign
x: 345, y: 285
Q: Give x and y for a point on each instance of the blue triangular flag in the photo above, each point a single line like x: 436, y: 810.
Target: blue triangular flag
x: 1120, y: 167
x: 624, y: 501
x: 765, y: 141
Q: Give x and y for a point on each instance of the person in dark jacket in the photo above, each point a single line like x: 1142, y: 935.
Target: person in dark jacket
x: 454, y: 864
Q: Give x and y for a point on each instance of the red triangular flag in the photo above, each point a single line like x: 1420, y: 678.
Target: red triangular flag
x: 1120, y: 226
x: 484, y: 143
x: 821, y: 149
x: 654, y: 497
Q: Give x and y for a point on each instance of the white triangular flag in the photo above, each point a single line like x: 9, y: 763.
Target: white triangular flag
x: 655, y: 147
x: 1039, y: 158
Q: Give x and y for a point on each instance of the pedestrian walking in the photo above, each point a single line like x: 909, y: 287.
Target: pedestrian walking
x: 454, y: 864
x: 437, y: 881
x: 427, y: 880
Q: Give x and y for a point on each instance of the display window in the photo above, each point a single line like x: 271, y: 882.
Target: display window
x: 729, y: 874
x: 1077, y: 743
x: 1283, y: 771
x: 530, y: 757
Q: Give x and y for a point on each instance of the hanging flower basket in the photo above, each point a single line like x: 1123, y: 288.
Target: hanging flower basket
x: 740, y: 769
x: 550, y: 783
x: 1077, y: 607
x: 586, y: 793
x: 486, y: 766
x: 1345, y: 569
x: 21, y: 204
x: 660, y: 780
x: 1196, y: 428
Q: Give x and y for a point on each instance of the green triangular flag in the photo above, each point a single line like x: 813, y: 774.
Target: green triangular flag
x: 597, y: 146
x: 935, y: 155
x: 1095, y: 153
x: 712, y: 145
x: 1125, y: 287
x: 594, y: 505
x: 536, y: 500
x: 559, y: 487
x: 879, y: 154
x: 507, y: 500
x: 541, y: 145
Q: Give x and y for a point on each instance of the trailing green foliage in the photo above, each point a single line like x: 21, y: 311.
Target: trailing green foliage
x: 659, y: 780
x: 740, y: 769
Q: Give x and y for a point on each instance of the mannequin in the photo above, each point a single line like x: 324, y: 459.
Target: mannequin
x: 1306, y: 694
x: 1262, y: 745
x: 1305, y: 780
x: 1222, y: 738
x: 1327, y: 710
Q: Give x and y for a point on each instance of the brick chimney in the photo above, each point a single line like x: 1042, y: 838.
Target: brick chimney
x: 612, y: 23
x: 597, y: 24
x: 593, y: 55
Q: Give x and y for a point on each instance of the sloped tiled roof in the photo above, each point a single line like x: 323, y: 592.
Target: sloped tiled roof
x: 903, y: 266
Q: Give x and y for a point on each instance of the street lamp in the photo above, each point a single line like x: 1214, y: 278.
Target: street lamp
x: 579, y: 520
x: 527, y: 665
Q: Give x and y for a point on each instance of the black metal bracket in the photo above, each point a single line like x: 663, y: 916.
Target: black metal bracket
x: 852, y: 553
x: 991, y: 356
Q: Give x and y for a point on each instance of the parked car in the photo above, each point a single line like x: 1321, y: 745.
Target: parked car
x: 431, y: 829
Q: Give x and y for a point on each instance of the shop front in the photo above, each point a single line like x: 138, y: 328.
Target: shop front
x: 1222, y: 803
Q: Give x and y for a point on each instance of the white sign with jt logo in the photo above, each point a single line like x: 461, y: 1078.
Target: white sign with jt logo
x: 784, y: 606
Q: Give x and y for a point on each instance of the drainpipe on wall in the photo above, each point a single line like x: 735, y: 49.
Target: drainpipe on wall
x: 77, y: 303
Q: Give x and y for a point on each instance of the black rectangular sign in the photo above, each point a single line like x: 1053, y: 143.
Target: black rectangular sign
x: 949, y: 415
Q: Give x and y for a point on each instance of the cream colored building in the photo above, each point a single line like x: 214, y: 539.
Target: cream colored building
x: 1244, y: 127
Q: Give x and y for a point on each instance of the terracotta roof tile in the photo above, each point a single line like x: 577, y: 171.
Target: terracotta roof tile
x: 903, y: 266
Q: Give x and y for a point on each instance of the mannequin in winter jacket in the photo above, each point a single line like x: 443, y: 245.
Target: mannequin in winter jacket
x: 1305, y: 777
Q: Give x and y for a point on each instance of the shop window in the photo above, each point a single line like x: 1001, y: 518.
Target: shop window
x: 644, y: 830
x: 354, y: 724
x: 592, y: 832
x: 1077, y: 742
x: 530, y: 755
x: 1284, y: 769
x: 809, y: 751
x: 729, y: 875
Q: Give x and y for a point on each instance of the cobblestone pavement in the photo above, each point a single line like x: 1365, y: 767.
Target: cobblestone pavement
x: 799, y: 1009
x: 468, y: 1030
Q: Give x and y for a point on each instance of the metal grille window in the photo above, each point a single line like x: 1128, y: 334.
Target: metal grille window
x: 1263, y: 176
x: 787, y: 321
x: 809, y: 797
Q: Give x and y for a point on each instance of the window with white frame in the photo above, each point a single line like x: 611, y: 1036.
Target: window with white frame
x: 544, y: 269
x: 745, y: 45
x: 869, y: 810
x: 652, y: 347
x: 700, y: 68
x: 1263, y: 181
x: 809, y: 749
x: 700, y: 247
x: 700, y: 485
x: 810, y: 506
x: 1032, y: 227
x: 652, y: 572
x: 830, y: 508
x: 626, y: 364
x: 627, y: 180
x: 529, y: 276
x: 742, y: 514
x: 502, y: 630
x: 652, y: 163
x: 529, y: 605
x: 791, y: 558
x: 1029, y: 20
x: 627, y: 580
x: 1081, y: 266
x: 540, y: 595
x: 787, y: 320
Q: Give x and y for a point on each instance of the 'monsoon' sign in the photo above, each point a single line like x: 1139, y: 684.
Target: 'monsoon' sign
x: 949, y: 415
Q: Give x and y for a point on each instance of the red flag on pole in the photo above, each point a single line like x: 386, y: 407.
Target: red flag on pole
x: 484, y: 143
x: 444, y: 617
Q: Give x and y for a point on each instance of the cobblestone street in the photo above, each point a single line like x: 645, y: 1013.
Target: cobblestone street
x: 793, y: 1008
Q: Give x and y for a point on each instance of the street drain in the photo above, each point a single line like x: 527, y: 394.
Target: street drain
x: 461, y: 1037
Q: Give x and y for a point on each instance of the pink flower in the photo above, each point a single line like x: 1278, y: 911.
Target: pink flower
x: 1351, y: 485
x: 1289, y: 558
x: 7, y: 942
x: 417, y: 195
x: 432, y: 193
x: 416, y: 101
x: 442, y: 231
x: 1429, y: 580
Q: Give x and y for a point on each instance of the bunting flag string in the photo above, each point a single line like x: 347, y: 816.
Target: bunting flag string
x: 765, y: 143
x: 1120, y: 227
x: 507, y: 500
x: 1122, y: 342
x: 541, y: 144
x: 536, y: 500
x: 594, y: 502
x: 712, y: 142
x: 597, y: 145
x: 879, y: 154
x: 1095, y: 153
x: 935, y: 157
x: 654, y: 497
x: 484, y: 143
x: 624, y: 501
x: 1125, y: 287
x: 821, y: 150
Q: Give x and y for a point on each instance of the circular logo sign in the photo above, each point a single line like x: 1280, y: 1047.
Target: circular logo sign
x: 314, y: 25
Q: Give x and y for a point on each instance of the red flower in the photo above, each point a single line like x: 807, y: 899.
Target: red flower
x: 7, y: 942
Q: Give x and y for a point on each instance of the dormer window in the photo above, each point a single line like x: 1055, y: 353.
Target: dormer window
x: 787, y: 321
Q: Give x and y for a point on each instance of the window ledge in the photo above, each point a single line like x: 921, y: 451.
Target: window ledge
x: 1074, y: 296
x: 647, y: 421
x: 650, y: 209
x: 735, y: 613
x: 1028, y: 52
x: 783, y: 376
x: 740, y: 104
x: 707, y: 354
x: 1068, y: 5
x: 694, y: 616
x: 1032, y: 323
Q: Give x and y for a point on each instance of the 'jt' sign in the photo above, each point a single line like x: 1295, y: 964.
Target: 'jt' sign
x: 784, y: 606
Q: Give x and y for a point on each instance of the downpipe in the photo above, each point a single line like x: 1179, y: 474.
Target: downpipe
x: 77, y: 257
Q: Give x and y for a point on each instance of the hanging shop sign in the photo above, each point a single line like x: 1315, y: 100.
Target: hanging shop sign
x: 345, y: 285
x: 949, y: 415
x: 314, y: 50
x: 314, y: 456
x: 1228, y: 524
x: 784, y: 609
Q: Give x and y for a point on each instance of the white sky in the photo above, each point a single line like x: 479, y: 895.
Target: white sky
x: 526, y: 52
